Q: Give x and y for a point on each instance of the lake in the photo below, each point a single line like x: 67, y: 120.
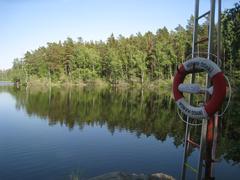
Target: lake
x: 61, y: 133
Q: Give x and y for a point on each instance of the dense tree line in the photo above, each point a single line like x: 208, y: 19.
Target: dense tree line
x: 138, y: 58
x: 231, y: 40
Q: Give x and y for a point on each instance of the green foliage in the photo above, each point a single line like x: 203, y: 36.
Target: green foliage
x: 138, y: 58
x: 231, y: 37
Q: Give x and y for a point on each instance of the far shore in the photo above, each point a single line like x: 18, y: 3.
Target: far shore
x: 163, y: 85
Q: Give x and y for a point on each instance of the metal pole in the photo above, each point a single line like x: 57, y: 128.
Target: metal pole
x: 195, y: 28
x: 202, y: 147
x: 216, y: 118
x: 187, y: 133
x: 183, y: 175
x: 211, y: 29
x: 209, y: 147
x: 195, y: 32
x: 219, y: 32
x: 210, y: 122
x: 218, y: 60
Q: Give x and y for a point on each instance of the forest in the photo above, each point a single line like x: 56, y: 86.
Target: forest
x: 140, y: 58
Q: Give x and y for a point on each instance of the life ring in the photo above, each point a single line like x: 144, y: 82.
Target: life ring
x: 217, y: 80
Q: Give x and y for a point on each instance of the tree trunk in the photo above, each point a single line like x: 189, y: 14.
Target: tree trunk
x: 170, y: 71
x: 142, y: 77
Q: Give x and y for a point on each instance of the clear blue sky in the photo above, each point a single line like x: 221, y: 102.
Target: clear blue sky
x: 28, y: 24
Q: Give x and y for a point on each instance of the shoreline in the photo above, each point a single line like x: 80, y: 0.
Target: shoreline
x: 98, y: 83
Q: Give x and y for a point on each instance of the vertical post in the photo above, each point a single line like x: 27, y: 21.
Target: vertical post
x: 185, y: 153
x: 215, y: 133
x: 202, y: 147
x: 195, y: 28
x: 219, y: 32
x: 187, y: 132
x: 210, y: 123
x: 207, y: 125
x: 195, y: 32
x: 209, y: 146
x: 211, y: 29
x: 213, y: 124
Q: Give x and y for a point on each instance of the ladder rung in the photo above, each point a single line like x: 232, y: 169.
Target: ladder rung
x: 203, y: 15
x: 193, y: 143
x: 190, y: 167
x: 202, y: 40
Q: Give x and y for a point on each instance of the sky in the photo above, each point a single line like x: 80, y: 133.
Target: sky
x: 29, y: 24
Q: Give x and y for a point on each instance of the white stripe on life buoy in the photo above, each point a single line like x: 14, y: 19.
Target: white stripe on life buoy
x: 191, y: 111
x: 202, y: 64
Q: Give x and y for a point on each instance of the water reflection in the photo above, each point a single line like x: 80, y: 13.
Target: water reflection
x: 141, y: 112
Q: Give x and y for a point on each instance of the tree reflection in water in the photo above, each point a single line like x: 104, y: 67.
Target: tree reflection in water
x: 142, y: 112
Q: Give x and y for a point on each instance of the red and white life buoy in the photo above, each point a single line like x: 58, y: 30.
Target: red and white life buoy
x: 218, y: 92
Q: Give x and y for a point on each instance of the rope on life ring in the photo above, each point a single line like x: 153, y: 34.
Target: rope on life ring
x: 218, y: 91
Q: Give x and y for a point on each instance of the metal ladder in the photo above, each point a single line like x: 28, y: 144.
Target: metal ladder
x: 209, y: 127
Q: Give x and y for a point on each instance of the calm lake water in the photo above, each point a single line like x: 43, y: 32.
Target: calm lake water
x: 60, y: 133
